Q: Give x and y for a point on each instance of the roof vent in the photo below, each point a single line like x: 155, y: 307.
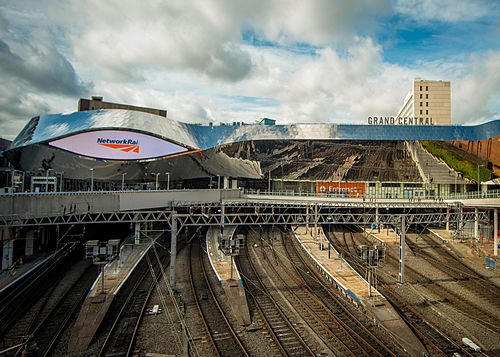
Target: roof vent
x: 95, y: 97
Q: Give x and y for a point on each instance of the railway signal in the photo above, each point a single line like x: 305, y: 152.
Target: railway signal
x: 101, y: 254
x: 370, y: 256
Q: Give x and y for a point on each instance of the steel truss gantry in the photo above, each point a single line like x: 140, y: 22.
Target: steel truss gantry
x: 258, y: 213
x: 250, y: 214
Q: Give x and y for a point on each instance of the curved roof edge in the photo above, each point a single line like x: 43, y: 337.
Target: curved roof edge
x: 49, y: 127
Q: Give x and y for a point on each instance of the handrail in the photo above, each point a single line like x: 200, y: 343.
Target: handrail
x: 447, y: 196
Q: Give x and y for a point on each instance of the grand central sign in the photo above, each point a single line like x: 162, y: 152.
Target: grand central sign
x: 399, y: 121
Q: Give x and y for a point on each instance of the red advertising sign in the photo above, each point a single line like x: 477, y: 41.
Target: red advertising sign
x: 341, y: 189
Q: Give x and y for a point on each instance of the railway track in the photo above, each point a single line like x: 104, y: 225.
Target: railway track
x: 47, y: 294
x: 356, y: 329
x: 45, y: 322
x: 470, y: 308
x: 32, y: 287
x: 433, y: 338
x: 288, y: 340
x: 121, y: 337
x: 442, y: 260
x: 220, y: 335
x: 55, y: 322
x: 329, y: 321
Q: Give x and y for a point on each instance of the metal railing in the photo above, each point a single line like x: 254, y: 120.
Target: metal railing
x: 446, y: 196
x: 293, y: 193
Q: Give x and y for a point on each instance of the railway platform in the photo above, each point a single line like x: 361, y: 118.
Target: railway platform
x: 355, y: 287
x: 19, y: 271
x: 229, y: 277
x: 383, y: 235
x: 337, y: 270
x: 101, y: 295
x: 220, y: 262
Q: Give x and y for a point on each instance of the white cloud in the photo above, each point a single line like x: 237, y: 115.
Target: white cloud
x: 333, y: 85
x: 309, y: 61
x: 317, y: 22
x: 446, y: 10
x: 476, y: 96
x: 122, y: 37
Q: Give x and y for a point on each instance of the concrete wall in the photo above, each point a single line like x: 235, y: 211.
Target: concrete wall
x: 432, y: 99
x: 158, y: 199
x: 54, y: 204
x: 40, y: 205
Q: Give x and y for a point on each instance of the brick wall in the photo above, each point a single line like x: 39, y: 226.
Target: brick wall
x: 488, y: 149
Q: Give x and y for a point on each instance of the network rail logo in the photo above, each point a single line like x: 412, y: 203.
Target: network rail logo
x: 127, y: 145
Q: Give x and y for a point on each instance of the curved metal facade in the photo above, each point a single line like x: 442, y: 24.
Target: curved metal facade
x: 36, y: 145
x: 53, y: 126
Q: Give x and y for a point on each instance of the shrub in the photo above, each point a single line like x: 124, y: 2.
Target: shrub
x: 467, y: 168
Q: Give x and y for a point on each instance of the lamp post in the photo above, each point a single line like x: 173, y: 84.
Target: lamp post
x: 47, y: 172
x: 269, y: 183
x: 156, y: 180
x: 478, y: 180
x: 168, y: 180
x: 92, y: 179
x: 123, y: 180
x: 61, y: 173
x: 455, y: 184
x: 329, y: 219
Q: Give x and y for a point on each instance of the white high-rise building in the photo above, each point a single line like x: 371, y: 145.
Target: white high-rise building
x: 428, y: 103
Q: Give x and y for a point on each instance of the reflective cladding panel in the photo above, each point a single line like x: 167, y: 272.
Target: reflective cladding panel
x: 193, y: 165
x: 51, y: 127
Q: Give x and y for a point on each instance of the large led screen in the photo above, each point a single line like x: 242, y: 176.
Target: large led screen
x: 117, y: 145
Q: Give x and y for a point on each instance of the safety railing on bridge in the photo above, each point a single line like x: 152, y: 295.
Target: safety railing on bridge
x: 445, y: 196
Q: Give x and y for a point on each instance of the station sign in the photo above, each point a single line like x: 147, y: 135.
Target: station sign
x: 118, y: 145
x: 400, y: 121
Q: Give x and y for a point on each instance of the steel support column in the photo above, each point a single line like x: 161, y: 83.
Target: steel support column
x: 30, y: 242
x: 476, y: 224
x: 8, y: 254
x: 315, y: 223
x: 307, y: 218
x: 402, y: 250
x: 173, y: 248
x: 495, y: 232
x: 459, y: 221
x: 137, y: 233
x: 447, y: 218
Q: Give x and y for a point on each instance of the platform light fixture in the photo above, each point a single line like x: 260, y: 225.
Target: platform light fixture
x: 123, y: 180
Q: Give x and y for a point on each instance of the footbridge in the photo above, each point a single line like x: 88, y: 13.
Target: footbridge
x: 176, y: 209
x: 20, y: 209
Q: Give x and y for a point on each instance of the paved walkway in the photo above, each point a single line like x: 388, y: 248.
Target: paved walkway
x: 7, y: 277
x: 228, y: 275
x: 335, y: 267
x: 98, y: 301
x: 118, y: 271
x: 384, y: 236
x: 221, y: 263
x: 344, y: 276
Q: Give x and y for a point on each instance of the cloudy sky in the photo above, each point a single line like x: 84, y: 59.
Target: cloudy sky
x: 240, y: 60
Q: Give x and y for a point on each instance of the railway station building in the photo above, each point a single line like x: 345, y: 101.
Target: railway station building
x: 110, y: 146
